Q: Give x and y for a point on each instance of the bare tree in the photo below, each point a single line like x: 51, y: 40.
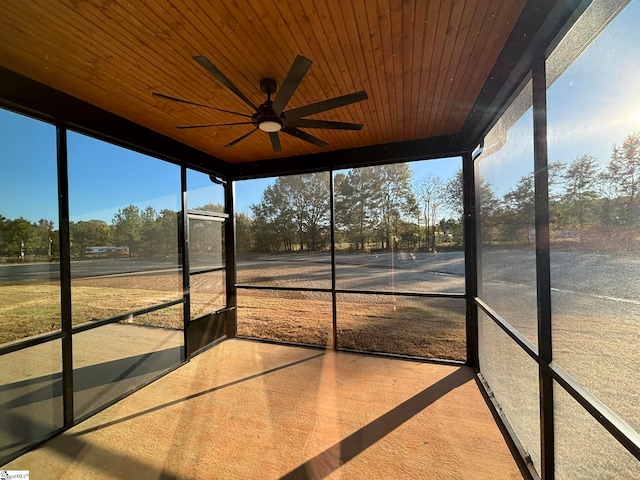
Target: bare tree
x: 430, y: 195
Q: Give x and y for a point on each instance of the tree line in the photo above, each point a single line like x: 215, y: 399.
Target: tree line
x: 380, y: 208
x: 376, y: 208
x: 590, y: 207
x: 144, y: 232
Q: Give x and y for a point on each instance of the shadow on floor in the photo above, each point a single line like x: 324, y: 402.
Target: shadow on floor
x: 342, y: 452
x: 34, y: 390
x: 71, y: 446
x: 199, y: 394
x: 31, y: 409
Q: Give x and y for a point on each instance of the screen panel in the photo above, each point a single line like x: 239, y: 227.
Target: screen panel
x: 512, y: 377
x: 283, y: 231
x: 421, y: 327
x: 30, y: 396
x: 124, y: 231
x: 506, y: 222
x: 114, y: 359
x: 398, y: 227
x: 29, y: 228
x: 594, y: 204
x: 288, y: 316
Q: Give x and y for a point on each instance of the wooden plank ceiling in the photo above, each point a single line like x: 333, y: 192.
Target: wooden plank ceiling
x: 422, y: 63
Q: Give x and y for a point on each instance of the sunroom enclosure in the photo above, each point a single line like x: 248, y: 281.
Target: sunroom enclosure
x: 517, y: 255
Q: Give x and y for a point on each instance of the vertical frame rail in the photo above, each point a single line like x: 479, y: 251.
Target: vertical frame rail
x: 184, y: 258
x: 230, y: 259
x: 334, y: 296
x: 470, y: 257
x: 65, y: 275
x: 543, y: 265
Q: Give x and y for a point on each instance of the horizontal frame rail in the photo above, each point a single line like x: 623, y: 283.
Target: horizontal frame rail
x: 207, y: 270
x: 363, y: 292
x: 215, y: 312
x: 30, y: 342
x: 510, y: 330
x: 621, y: 430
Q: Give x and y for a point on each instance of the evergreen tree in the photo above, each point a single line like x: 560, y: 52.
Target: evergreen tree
x: 127, y: 228
x: 581, y: 179
x: 85, y: 234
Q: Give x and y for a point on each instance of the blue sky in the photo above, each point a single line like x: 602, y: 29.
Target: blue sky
x: 596, y: 102
x: 104, y: 178
x: 593, y: 105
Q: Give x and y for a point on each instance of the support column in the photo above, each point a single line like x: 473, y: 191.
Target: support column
x: 230, y: 259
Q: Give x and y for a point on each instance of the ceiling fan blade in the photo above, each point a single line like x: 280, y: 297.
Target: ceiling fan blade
x: 231, y: 144
x: 275, y: 142
x: 310, y: 123
x: 325, y: 105
x: 213, y: 70
x: 298, y: 70
x: 188, y: 102
x: 304, y: 136
x: 184, y: 127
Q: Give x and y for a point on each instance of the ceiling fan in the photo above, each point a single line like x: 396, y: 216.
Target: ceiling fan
x: 271, y: 116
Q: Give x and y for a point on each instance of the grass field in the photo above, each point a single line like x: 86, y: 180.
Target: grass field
x: 421, y: 327
x: 433, y: 328
x: 34, y: 308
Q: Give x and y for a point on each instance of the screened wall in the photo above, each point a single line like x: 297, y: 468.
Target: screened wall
x: 97, y: 295
x: 31, y: 378
x: 368, y: 259
x: 558, y: 236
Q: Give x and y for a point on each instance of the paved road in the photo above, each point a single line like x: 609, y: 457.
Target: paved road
x: 611, y: 276
x: 411, y: 272
x: 80, y: 269
x: 607, y: 277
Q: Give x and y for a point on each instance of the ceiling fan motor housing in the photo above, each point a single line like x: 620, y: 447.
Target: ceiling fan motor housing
x: 265, y: 118
x: 268, y: 85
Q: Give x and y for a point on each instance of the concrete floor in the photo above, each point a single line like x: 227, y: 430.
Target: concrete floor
x: 247, y: 409
x: 108, y: 362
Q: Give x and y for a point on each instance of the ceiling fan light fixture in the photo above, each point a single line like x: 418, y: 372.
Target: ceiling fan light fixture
x: 270, y: 126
